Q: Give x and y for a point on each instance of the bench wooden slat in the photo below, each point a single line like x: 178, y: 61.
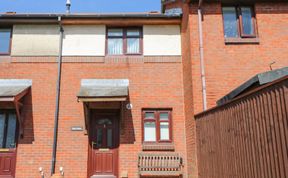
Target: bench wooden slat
x: 160, y: 164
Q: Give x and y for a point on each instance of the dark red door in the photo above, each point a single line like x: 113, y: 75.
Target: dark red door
x: 103, y: 144
x: 7, y: 164
x: 8, y: 135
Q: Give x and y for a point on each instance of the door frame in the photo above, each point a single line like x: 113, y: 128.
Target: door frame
x: 92, y: 113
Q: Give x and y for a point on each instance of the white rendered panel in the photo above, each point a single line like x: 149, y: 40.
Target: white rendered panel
x: 162, y: 40
x: 84, y: 40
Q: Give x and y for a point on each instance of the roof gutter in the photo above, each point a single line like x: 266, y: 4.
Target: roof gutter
x: 56, y: 119
x: 201, y: 50
x: 96, y: 18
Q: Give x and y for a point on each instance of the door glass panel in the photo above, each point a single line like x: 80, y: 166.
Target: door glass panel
x: 11, y: 131
x: 99, y: 137
x: 164, y: 116
x: 109, y: 137
x: 164, y: 130
x: 149, y: 131
x: 104, y: 121
x: 230, y: 22
x: 2, y: 126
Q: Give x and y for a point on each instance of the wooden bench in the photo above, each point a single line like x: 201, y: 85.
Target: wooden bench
x: 160, y: 164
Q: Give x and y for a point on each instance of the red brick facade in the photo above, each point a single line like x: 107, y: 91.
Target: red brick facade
x: 152, y: 85
x: 155, y: 82
x: 229, y: 65
x: 226, y: 65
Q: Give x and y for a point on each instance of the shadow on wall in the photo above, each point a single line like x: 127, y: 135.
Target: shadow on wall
x: 127, y: 131
x: 27, y: 110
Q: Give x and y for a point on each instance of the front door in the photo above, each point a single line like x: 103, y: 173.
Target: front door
x: 103, y: 144
x: 8, y: 135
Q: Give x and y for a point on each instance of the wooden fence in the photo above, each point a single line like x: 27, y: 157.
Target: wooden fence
x: 247, y: 137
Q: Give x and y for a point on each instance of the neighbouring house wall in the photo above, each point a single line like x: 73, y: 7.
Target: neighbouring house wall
x: 187, y: 38
x: 229, y: 65
x: 161, y: 40
x: 190, y: 126
x: 35, y: 40
x: 84, y: 40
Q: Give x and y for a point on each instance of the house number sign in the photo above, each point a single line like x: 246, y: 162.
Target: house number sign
x: 76, y: 128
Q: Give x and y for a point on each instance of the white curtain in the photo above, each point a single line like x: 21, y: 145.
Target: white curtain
x: 164, y: 130
x: 133, y: 46
x: 149, y: 131
x: 115, y: 46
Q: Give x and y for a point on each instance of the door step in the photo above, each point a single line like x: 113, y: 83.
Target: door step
x: 103, y: 176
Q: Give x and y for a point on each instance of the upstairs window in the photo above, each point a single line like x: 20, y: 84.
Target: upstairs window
x: 5, y: 40
x: 157, y: 126
x: 8, y: 127
x: 124, y: 41
x: 239, y: 22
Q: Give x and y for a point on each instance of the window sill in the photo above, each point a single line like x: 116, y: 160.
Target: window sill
x: 242, y: 41
x: 158, y: 147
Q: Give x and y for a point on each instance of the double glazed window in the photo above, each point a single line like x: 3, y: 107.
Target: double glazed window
x: 124, y: 41
x: 239, y: 22
x: 5, y: 36
x: 157, y: 126
x: 8, y: 127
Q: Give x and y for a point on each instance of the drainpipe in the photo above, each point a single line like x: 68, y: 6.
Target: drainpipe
x: 57, y: 98
x: 202, y: 65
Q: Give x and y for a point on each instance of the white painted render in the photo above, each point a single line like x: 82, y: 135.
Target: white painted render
x: 84, y: 40
x: 89, y: 40
x: 161, y: 40
x: 35, y: 40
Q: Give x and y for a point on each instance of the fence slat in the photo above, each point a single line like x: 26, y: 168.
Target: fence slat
x: 247, y: 137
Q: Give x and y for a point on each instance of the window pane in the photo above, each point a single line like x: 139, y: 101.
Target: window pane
x: 11, y: 131
x: 115, y: 46
x: 133, y: 32
x: 164, y: 130
x: 149, y: 131
x: 109, y: 138
x: 230, y: 22
x: 149, y: 115
x: 115, y: 32
x: 133, y: 45
x: 2, y: 126
x: 247, y: 22
x: 5, y: 40
x: 164, y: 116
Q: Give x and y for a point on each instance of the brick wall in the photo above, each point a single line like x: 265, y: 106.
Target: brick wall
x: 228, y: 66
x: 156, y: 83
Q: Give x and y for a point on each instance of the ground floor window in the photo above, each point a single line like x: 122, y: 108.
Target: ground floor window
x: 157, y: 126
x: 8, y: 127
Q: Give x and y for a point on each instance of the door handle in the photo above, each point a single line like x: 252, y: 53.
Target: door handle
x: 93, y: 143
